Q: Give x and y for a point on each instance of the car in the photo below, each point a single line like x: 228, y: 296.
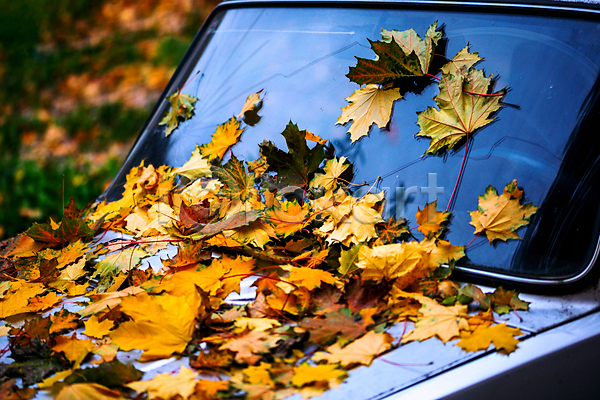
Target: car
x: 486, y: 122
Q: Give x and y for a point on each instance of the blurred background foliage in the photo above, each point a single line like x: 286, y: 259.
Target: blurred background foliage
x: 78, y: 79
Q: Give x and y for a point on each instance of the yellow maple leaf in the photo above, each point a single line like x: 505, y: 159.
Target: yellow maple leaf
x: 288, y: 217
x: 95, y: 328
x: 442, y: 252
x: 369, y: 105
x: 167, y: 386
x: 88, y: 391
x: 69, y: 275
x: 403, y: 262
x: 361, y: 351
x: 500, y: 216
x: 334, y: 168
x: 39, y: 303
x: 160, y: 325
x: 437, y: 320
x: 197, y: 166
x: 16, y: 299
x: 305, y: 374
x: 259, y: 375
x: 501, y: 336
x: 74, y: 349
x: 225, y: 136
x: 430, y: 220
x: 308, y: 277
x: 353, y: 220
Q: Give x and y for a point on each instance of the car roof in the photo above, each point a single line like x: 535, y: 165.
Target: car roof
x: 582, y: 5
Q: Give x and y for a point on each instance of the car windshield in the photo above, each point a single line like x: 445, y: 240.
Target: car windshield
x: 544, y: 135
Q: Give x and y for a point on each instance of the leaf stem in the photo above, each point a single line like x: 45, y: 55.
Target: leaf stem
x: 460, y: 174
x: 432, y: 76
x: 476, y: 236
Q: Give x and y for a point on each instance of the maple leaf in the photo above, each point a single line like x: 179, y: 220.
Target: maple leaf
x: 472, y: 293
x: 500, y: 216
x: 225, y: 136
x: 504, y: 301
x: 16, y: 300
x: 294, y: 167
x: 437, y: 320
x: 259, y: 375
x: 167, y: 386
x: 410, y: 42
x: 340, y: 324
x: 431, y: 222
x: 460, y: 113
x: 334, y: 169
x: 305, y: 374
x: 63, y: 320
x: 361, y: 351
x: 96, y: 329
x: 352, y: 220
x: 369, y: 105
x: 461, y: 62
x: 308, y: 277
x: 403, y: 262
x: 88, y: 391
x: 392, y: 62
x: 288, y: 217
x: 182, y: 108
x: 160, y: 325
x: 197, y: 166
x: 74, y: 349
x: 442, y: 252
x: 69, y: 230
x: 501, y: 336
x: 238, y: 184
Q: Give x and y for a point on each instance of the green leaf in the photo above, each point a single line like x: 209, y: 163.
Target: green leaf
x: 391, y: 63
x: 410, y: 42
x: 348, y: 260
x: 110, y: 374
x: 296, y: 167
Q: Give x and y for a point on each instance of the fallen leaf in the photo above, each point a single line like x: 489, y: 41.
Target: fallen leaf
x: 369, y: 105
x: 88, y: 391
x: 167, y: 386
x: 500, y: 216
x: 501, y: 336
x: 437, y: 320
x: 225, y: 136
x: 361, y: 351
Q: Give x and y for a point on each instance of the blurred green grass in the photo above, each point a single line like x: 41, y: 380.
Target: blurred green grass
x: 78, y: 79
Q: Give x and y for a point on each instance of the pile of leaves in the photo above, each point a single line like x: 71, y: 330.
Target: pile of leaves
x: 330, y: 274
